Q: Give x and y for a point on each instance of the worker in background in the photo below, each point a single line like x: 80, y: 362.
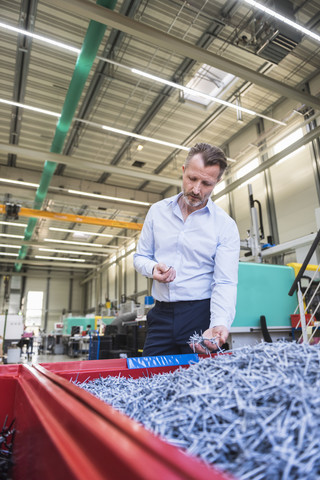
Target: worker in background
x: 190, y: 247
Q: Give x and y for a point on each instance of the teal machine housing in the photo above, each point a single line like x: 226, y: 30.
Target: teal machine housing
x: 70, y: 322
x: 263, y: 290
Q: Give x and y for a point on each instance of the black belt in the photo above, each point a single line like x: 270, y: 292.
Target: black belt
x: 168, y: 304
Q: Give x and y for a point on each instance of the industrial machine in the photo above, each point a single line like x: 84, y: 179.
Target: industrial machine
x: 262, y: 292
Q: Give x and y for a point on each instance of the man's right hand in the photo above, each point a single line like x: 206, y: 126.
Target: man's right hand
x: 163, y: 273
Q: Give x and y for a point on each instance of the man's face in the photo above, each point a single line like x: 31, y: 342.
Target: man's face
x: 198, y: 181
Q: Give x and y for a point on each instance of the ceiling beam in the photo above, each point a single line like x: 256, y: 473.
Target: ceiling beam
x: 42, y: 156
x: 173, y: 44
x: 69, y: 217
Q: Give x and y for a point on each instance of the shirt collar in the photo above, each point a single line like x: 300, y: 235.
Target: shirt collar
x: 174, y: 202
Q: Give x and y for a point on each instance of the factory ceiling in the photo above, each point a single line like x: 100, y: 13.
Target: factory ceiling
x: 137, y: 112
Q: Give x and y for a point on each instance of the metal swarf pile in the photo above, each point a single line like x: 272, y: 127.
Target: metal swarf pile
x: 6, y: 443
x: 254, y: 413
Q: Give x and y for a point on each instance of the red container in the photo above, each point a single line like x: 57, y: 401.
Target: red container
x: 64, y: 432
x: 295, y: 320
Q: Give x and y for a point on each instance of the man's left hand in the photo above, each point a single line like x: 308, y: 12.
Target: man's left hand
x: 220, y: 333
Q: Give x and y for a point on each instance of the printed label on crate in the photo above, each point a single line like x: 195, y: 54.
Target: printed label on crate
x: 162, y: 360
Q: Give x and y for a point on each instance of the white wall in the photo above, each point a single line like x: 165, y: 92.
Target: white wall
x: 295, y: 195
x: 59, y: 290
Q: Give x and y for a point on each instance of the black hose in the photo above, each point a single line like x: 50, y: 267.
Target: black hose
x: 305, y: 264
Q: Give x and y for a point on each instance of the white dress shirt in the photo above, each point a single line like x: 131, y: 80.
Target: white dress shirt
x: 204, y: 251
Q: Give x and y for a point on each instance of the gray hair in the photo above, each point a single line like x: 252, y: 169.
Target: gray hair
x: 211, y: 155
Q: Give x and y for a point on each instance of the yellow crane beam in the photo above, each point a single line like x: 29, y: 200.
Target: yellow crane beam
x: 69, y: 217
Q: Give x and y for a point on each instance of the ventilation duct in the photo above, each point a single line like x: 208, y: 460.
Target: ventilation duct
x: 276, y: 40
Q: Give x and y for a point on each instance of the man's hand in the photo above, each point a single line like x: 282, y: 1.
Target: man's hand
x: 163, y: 274
x: 220, y: 333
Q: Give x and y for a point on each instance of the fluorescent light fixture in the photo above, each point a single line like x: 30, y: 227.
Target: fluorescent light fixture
x: 60, y: 258
x: 9, y: 254
x: 283, y: 19
x: 40, y: 37
x: 19, y: 182
x: 13, y: 224
x: 104, y: 127
x: 73, y: 243
x: 9, y: 235
x: 188, y: 90
x: 203, y: 95
x: 71, y: 252
x: 77, y: 192
x: 145, y: 74
x: 69, y: 242
x: 106, y: 197
x: 29, y: 107
x: 142, y: 137
x: 56, y: 229
x: 3, y: 245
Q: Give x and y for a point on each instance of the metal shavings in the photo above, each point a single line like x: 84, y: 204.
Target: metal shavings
x: 6, y: 444
x: 197, y: 339
x: 254, y: 413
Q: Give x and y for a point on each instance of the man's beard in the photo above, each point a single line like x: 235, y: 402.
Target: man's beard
x: 192, y: 202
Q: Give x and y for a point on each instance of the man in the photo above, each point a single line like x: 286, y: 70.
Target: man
x: 190, y: 247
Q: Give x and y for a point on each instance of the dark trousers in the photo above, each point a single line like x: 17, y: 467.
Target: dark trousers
x: 170, y: 325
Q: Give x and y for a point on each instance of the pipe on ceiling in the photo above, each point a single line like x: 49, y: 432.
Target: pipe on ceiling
x: 81, y: 72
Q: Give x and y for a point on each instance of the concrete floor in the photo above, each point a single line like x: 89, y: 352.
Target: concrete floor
x: 43, y: 358
x: 48, y: 358
x: 35, y: 357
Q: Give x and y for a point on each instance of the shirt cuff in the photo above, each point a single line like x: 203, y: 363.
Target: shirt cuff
x: 149, y: 268
x: 219, y: 321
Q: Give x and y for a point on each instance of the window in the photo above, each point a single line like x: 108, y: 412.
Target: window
x: 208, y: 80
x: 218, y: 188
x: 34, y: 309
x: 286, y: 142
x: 246, y: 169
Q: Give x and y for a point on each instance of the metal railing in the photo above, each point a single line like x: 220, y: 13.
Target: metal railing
x: 296, y: 286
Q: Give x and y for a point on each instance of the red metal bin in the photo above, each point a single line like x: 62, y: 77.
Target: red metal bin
x: 64, y: 432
